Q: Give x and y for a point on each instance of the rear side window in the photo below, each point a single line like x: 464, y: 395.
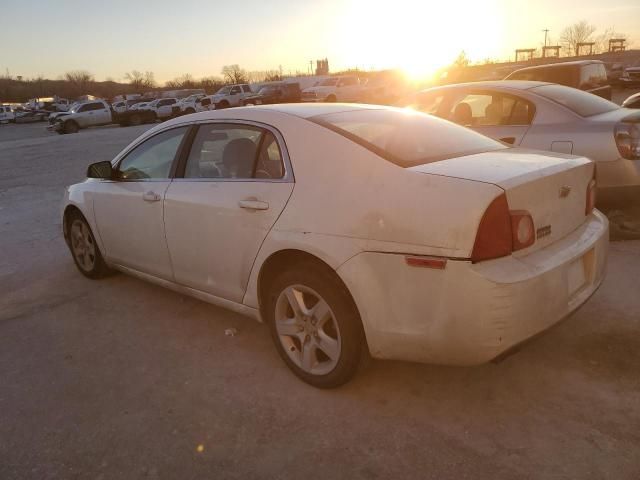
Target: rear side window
x: 592, y: 76
x: 407, y: 138
x: 583, y: 103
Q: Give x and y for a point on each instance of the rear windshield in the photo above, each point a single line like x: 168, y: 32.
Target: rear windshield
x: 562, y: 75
x: 405, y: 137
x: 583, y: 103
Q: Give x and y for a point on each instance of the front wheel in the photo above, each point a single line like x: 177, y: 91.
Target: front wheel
x: 84, y: 249
x: 71, y: 127
x: 315, y: 325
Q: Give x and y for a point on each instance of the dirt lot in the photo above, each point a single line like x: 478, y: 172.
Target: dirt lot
x: 122, y: 379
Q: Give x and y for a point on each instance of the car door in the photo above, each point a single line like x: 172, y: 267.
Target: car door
x: 235, y: 183
x: 129, y: 208
x: 504, y: 117
x: 84, y: 115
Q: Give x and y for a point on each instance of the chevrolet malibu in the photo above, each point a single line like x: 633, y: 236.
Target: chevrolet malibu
x: 348, y: 229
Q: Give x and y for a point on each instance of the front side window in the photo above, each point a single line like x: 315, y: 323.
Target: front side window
x: 153, y: 158
x: 235, y: 90
x: 490, y: 109
x: 246, y: 89
x: 232, y: 151
x: 406, y: 138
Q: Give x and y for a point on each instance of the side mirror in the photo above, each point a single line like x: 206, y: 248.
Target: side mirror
x: 102, y: 170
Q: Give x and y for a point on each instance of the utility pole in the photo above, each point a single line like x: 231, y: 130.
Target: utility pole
x: 546, y: 30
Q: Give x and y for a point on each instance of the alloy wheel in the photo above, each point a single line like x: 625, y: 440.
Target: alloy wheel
x: 307, y: 329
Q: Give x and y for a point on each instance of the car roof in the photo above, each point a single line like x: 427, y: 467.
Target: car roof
x: 307, y: 110
x: 510, y: 84
x: 560, y: 64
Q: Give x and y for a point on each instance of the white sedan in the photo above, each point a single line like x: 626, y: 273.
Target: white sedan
x: 550, y: 117
x: 348, y: 228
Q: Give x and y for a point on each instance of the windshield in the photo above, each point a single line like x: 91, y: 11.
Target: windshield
x: 583, y: 103
x: 329, y: 82
x: 405, y: 137
x: 224, y: 90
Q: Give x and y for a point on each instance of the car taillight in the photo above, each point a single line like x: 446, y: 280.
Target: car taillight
x: 502, y: 231
x: 522, y: 230
x: 627, y: 135
x: 494, y: 238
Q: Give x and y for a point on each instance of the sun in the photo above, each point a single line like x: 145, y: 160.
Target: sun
x: 418, y: 37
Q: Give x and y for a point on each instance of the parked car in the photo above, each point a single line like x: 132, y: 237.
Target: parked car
x: 587, y: 75
x: 395, y: 217
x: 548, y: 117
x: 230, y: 96
x: 29, y: 116
x: 95, y: 113
x: 162, y: 107
x: 632, y: 102
x: 7, y: 114
x: 335, y: 89
x: 281, y: 92
x: 633, y: 73
x: 188, y: 105
x: 140, y: 106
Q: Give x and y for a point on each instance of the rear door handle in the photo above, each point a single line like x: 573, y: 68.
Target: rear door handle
x: 150, y: 197
x: 253, y: 205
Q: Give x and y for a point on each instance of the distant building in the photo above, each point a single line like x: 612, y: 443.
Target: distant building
x: 322, y: 67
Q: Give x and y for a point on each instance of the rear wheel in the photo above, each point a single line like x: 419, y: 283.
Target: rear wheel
x: 135, y: 120
x: 84, y: 249
x: 315, y: 325
x: 331, y: 99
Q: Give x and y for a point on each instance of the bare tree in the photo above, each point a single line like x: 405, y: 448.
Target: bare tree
x: 79, y: 80
x: 185, y: 81
x: 571, y: 36
x: 461, y: 60
x: 211, y: 84
x: 140, y: 81
x: 234, y: 74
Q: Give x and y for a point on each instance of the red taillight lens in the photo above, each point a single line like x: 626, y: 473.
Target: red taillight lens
x: 522, y: 230
x: 627, y: 137
x: 502, y: 232
x: 494, y: 237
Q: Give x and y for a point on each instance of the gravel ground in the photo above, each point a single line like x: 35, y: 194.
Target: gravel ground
x: 122, y: 379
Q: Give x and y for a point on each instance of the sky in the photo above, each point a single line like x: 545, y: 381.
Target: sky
x: 170, y: 38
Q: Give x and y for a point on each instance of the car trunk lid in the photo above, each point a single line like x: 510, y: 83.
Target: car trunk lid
x: 551, y: 187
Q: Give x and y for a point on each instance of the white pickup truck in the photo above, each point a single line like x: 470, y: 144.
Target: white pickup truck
x: 231, y: 96
x: 335, y: 89
x: 94, y: 113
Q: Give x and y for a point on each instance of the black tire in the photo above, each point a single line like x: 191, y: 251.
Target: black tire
x: 135, y: 120
x: 223, y: 104
x: 70, y: 127
x: 331, y: 99
x: 331, y: 289
x: 189, y: 111
x: 94, y: 267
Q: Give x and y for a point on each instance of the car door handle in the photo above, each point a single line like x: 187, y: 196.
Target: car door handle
x: 151, y: 197
x: 509, y: 140
x: 253, y: 205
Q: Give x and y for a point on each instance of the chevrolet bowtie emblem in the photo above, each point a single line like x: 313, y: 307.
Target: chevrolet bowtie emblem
x: 565, y: 190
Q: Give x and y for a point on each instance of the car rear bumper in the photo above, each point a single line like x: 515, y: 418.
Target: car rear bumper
x: 467, y: 314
